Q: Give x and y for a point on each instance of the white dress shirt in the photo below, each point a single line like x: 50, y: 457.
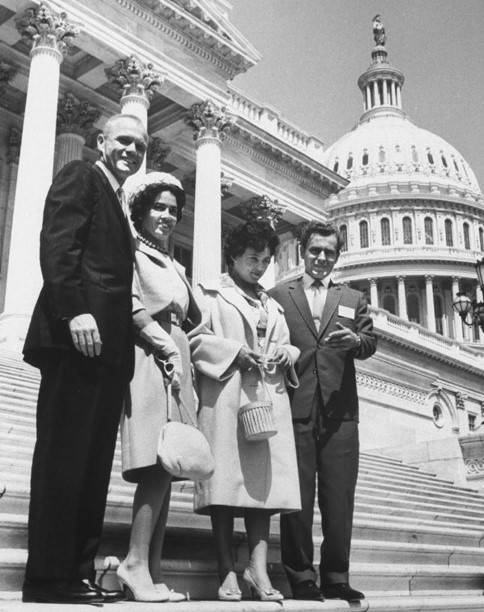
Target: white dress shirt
x: 316, y: 296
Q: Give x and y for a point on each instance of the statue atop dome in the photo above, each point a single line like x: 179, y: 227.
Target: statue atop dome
x: 378, y: 31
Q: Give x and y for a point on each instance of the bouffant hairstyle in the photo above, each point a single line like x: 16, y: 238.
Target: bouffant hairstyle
x: 253, y: 234
x: 324, y: 229
x: 143, y: 201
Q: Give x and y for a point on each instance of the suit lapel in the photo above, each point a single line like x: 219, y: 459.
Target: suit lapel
x: 332, y: 300
x: 296, y: 292
x: 116, y: 206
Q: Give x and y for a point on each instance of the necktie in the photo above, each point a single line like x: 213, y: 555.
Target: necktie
x: 318, y: 302
x: 122, y: 200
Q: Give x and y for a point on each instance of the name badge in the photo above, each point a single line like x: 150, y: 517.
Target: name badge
x: 346, y: 312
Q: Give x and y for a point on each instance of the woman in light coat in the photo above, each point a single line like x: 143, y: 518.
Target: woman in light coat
x: 243, y: 331
x: 163, y: 307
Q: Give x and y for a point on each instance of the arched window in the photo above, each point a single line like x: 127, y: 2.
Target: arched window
x: 344, y: 237
x: 444, y: 161
x: 407, y: 230
x: 439, y: 328
x: 381, y: 155
x: 449, y: 239
x: 413, y: 310
x: 456, y: 166
x: 467, y: 237
x: 336, y: 166
x: 481, y: 238
x: 385, y: 231
x: 364, y: 234
x: 349, y: 163
x: 414, y: 154
x: 389, y: 303
x: 430, y: 157
x: 364, y: 159
x: 429, y: 230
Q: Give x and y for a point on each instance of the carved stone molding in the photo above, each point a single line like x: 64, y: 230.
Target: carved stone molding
x: 75, y: 116
x: 158, y: 151
x: 134, y: 77
x: 13, y: 147
x: 475, y: 466
x: 262, y: 208
x: 460, y: 401
x: 226, y: 183
x: 209, y: 121
x: 7, y: 73
x: 390, y: 388
x: 42, y: 27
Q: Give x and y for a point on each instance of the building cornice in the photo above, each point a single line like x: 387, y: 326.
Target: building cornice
x: 194, y: 35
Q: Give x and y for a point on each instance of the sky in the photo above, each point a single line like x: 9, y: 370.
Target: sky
x: 315, y: 50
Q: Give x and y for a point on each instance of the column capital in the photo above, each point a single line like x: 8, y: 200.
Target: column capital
x: 134, y: 78
x: 402, y: 278
x: 428, y: 278
x: 262, y: 208
x: 158, y: 151
x: 209, y: 121
x: 7, y: 73
x: 75, y: 116
x: 42, y: 28
x: 372, y: 281
x: 13, y: 146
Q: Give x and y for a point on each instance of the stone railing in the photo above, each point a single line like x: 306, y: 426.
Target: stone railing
x: 427, y: 340
x: 472, y: 447
x: 409, y: 252
x: 269, y: 120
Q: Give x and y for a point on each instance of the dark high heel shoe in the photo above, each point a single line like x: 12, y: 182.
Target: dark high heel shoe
x: 259, y: 593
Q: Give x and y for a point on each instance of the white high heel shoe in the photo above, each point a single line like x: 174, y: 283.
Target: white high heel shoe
x: 172, y: 595
x: 133, y: 593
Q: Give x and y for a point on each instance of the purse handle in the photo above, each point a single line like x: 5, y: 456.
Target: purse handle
x: 168, y: 370
x: 261, y: 369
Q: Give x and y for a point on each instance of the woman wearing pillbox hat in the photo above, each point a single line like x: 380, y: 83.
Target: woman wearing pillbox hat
x: 163, y: 308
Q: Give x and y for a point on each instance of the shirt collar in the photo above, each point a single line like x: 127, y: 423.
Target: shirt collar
x: 113, y: 181
x: 308, y: 280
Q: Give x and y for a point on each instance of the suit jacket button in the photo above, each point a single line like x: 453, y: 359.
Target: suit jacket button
x: 315, y: 371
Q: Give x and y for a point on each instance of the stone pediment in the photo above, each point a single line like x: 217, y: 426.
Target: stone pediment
x: 208, y: 24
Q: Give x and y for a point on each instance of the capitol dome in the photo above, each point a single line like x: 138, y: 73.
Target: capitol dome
x: 386, y: 147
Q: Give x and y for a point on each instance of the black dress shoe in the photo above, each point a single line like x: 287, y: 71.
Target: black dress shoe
x: 76, y: 592
x: 107, y: 595
x: 341, y: 590
x: 307, y: 590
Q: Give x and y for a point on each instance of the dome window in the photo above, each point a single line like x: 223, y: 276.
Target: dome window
x: 429, y: 230
x: 414, y: 155
x: 444, y: 161
x: 430, y: 157
x: 467, y: 237
x: 407, y: 230
x: 481, y: 238
x: 389, y: 303
x: 381, y: 155
x: 413, y: 308
x: 456, y: 166
x: 364, y: 159
x: 449, y: 240
x: 336, y: 166
x: 465, y: 168
x: 364, y: 235
x: 385, y: 231
x: 343, y: 230
x: 349, y: 163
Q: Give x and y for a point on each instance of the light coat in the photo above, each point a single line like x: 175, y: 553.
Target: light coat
x: 247, y: 474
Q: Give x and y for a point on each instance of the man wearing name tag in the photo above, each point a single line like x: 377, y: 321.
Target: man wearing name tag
x: 331, y: 326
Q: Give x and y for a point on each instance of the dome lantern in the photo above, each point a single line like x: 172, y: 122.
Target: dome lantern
x: 381, y: 84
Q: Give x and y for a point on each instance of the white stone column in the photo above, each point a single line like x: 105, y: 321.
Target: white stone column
x: 376, y: 95
x: 12, y: 160
x: 374, y: 293
x: 385, y: 92
x: 429, y: 294
x: 368, y: 98
x: 74, y: 120
x: 402, y: 298
x: 210, y: 124
x: 394, y: 95
x: 457, y: 320
x: 49, y: 34
x: 399, y: 96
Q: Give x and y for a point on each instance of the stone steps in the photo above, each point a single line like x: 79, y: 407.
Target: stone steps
x: 416, y: 539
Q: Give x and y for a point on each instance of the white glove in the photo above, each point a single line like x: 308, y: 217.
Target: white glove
x: 165, y: 347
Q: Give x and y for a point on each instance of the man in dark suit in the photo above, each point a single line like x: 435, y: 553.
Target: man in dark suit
x: 330, y: 325
x: 81, y: 340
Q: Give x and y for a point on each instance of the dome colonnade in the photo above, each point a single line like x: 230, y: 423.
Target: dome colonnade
x: 412, y: 216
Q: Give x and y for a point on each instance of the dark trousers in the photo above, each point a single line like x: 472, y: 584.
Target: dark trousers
x: 78, y: 412
x: 327, y: 453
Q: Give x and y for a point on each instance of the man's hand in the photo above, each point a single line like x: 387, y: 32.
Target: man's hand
x: 247, y: 359
x: 344, y: 339
x: 85, y: 335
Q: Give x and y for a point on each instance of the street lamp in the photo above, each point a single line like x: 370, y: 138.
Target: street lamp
x: 472, y: 309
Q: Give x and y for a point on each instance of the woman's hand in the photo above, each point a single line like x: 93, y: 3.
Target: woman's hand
x: 247, y: 359
x: 280, y: 357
